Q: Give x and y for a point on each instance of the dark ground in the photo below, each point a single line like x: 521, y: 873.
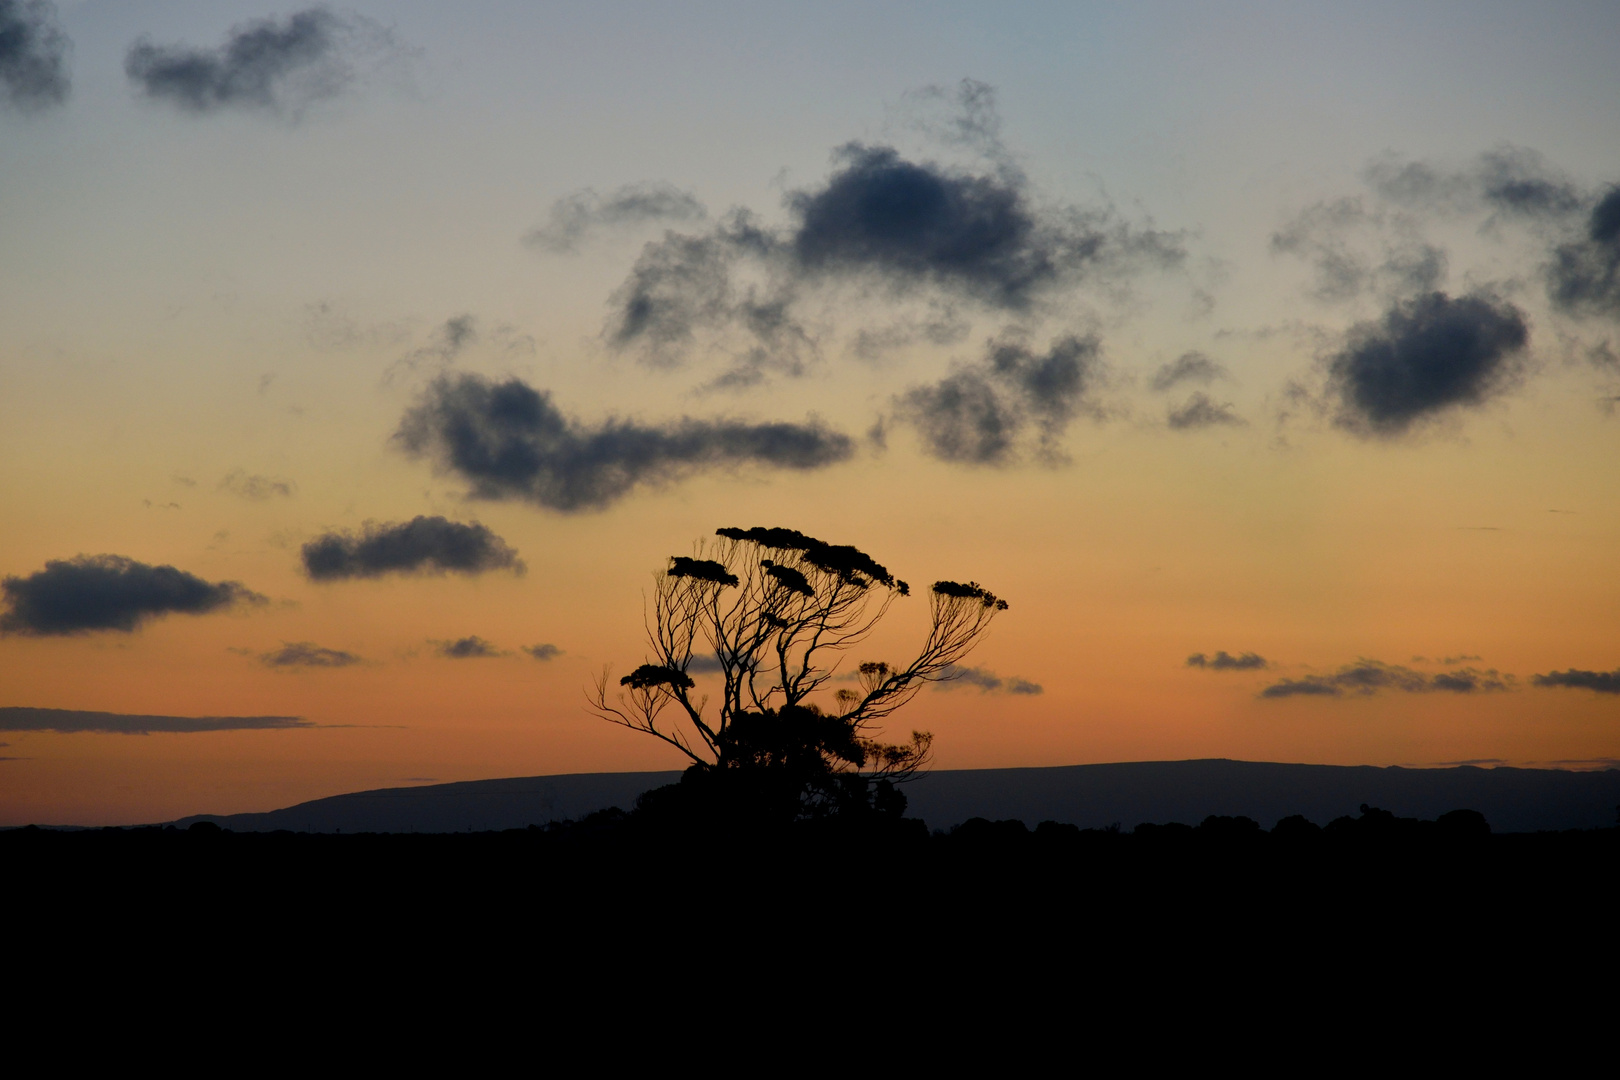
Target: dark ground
x: 1215, y: 942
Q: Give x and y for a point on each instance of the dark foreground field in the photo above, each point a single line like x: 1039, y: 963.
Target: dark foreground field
x: 1413, y: 881
x: 1374, y: 923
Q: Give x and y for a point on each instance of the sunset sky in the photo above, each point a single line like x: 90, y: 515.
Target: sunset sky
x: 360, y: 365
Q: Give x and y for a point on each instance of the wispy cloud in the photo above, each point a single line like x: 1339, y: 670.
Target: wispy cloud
x: 985, y: 681
x: 71, y: 721
x: 1367, y: 677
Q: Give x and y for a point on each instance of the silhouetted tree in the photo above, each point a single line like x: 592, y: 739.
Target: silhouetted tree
x: 779, y: 611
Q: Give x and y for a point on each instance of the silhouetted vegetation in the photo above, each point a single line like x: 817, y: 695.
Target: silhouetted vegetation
x: 777, y: 610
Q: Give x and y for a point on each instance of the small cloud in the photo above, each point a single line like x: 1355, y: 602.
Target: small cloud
x: 448, y: 341
x: 1583, y: 277
x: 1202, y: 411
x: 543, y: 652
x: 467, y: 648
x: 1600, y: 682
x: 1368, y: 677
x: 306, y: 654
x: 985, y: 681
x: 1188, y: 367
x: 109, y: 592
x: 72, y: 721
x: 256, y: 488
x: 1462, y: 658
x: 1225, y: 661
x: 280, y: 67
x: 574, y: 217
x: 422, y: 545
x: 33, y: 56
x: 977, y: 415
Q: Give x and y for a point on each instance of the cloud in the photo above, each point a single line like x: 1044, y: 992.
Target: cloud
x: 72, y: 721
x: 109, y: 592
x: 1584, y: 275
x: 1347, y: 245
x: 421, y: 545
x: 985, y: 681
x: 256, y: 488
x: 977, y: 414
x: 543, y: 652
x: 510, y: 442
x: 1188, y: 367
x: 280, y: 67
x: 1510, y: 181
x: 33, y: 56
x: 1602, y: 682
x: 1225, y: 661
x: 467, y: 648
x: 1370, y: 676
x: 574, y: 217
x: 884, y: 224
x: 1426, y: 355
x: 910, y: 223
x: 448, y: 341
x: 1201, y: 411
x: 307, y: 654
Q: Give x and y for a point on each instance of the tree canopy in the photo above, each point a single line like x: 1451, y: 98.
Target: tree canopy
x: 774, y: 613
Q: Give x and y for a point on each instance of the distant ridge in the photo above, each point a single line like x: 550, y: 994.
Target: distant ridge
x: 1091, y: 796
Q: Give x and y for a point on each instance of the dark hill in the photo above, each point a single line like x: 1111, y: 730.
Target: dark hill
x: 1512, y: 800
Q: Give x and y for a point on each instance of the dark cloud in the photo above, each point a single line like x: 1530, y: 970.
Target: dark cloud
x: 1424, y: 356
x: 1202, y: 411
x: 911, y: 223
x: 276, y: 66
x: 1225, y: 661
x: 1509, y: 181
x: 467, y: 648
x: 307, y: 654
x: 985, y: 681
x: 71, y: 721
x: 1602, y: 682
x: 977, y: 414
x: 1370, y: 676
x: 109, y: 592
x: 880, y: 222
x: 576, y: 216
x: 256, y: 488
x: 1584, y: 275
x: 33, y: 55
x: 543, y: 652
x: 510, y: 442
x: 1188, y: 367
x: 421, y: 545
